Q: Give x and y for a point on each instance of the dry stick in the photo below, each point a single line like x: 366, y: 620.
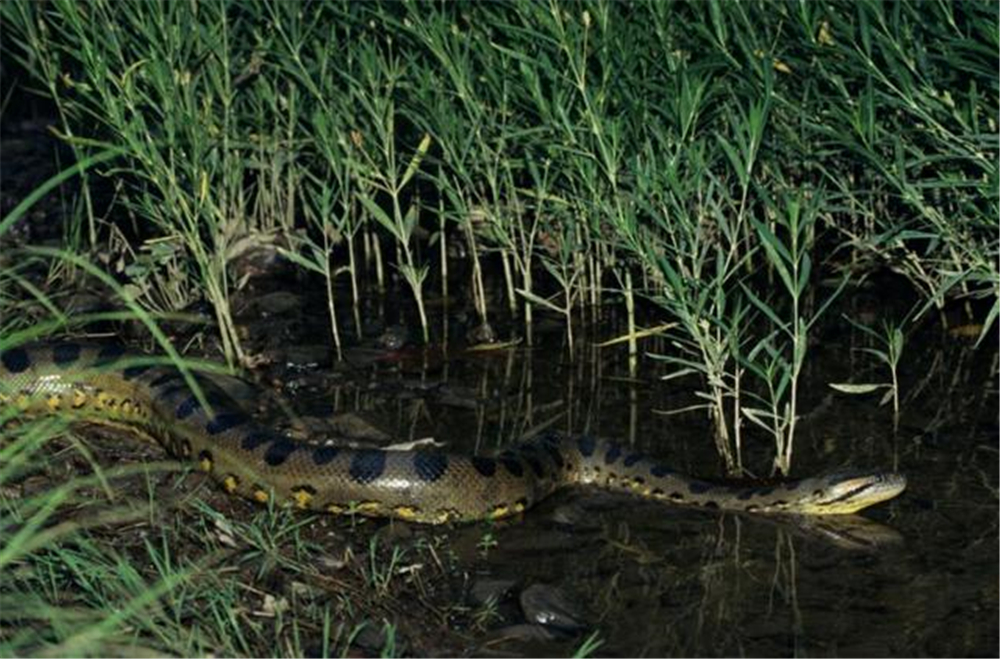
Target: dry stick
x: 738, y: 420
x: 478, y: 291
x: 329, y: 274
x: 399, y: 253
x: 586, y: 285
x: 595, y: 277
x: 355, y: 298
x: 508, y: 278
x: 568, y: 300
x: 528, y: 309
x: 443, y: 249
x: 379, y: 269
x: 633, y: 347
x: 366, y: 242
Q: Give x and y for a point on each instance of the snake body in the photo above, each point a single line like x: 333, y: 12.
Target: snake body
x: 106, y: 384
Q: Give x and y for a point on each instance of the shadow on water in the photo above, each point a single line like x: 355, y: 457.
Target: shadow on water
x: 920, y: 578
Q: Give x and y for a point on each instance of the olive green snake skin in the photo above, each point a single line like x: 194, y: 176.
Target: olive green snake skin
x: 105, y: 384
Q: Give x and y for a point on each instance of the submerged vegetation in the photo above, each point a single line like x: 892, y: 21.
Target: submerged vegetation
x: 729, y: 167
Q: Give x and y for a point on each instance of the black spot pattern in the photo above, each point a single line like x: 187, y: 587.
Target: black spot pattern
x: 697, y: 487
x: 279, y: 450
x: 430, y: 466
x: 744, y: 495
x: 513, y: 465
x: 554, y: 455
x: 632, y: 458
x: 324, y: 455
x: 792, y: 485
x: 65, y: 354
x: 191, y: 405
x: 367, y: 465
x: 224, y: 421
x: 132, y: 372
x: 109, y: 354
x: 614, y: 452
x: 16, y: 360
x: 187, y: 407
x: 485, y: 466
x: 170, y: 392
x: 536, y: 465
x: 254, y: 439
x: 166, y: 378
x: 660, y: 471
x: 586, y: 444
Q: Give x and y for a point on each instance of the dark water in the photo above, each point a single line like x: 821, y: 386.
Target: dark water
x: 659, y: 581
x: 655, y: 580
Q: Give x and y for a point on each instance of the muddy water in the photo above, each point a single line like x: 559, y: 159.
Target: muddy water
x: 659, y: 581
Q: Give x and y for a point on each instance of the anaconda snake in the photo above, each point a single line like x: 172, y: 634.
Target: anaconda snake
x: 106, y: 384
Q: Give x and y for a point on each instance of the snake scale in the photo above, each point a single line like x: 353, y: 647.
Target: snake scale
x: 106, y: 384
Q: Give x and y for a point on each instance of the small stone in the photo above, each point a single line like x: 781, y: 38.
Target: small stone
x: 551, y: 606
x: 272, y: 606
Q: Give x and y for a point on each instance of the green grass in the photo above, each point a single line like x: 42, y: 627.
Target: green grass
x: 717, y: 162
x: 86, y: 578
x: 577, y: 147
x: 97, y: 565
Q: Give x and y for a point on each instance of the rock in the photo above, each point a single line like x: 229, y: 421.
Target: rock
x: 551, y: 607
x: 484, y: 590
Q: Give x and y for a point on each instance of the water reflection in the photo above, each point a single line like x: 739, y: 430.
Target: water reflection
x: 915, y: 576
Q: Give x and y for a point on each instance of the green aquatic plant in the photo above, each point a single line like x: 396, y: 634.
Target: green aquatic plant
x: 592, y: 155
x: 892, y: 341
x: 783, y: 351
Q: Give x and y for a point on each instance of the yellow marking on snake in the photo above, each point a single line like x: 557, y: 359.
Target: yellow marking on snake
x: 371, y: 508
x: 302, y: 499
x: 408, y: 513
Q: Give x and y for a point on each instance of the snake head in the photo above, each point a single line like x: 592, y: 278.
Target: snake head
x: 847, y: 491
